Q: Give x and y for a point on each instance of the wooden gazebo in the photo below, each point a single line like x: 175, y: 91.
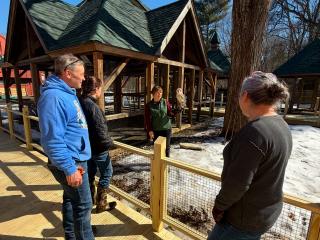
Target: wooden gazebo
x: 129, y: 46
x: 302, y: 74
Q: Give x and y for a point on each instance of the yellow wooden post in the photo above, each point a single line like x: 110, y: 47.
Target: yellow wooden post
x: 10, y: 120
x: 164, y: 183
x: 314, y: 227
x: 159, y: 153
x: 27, y: 128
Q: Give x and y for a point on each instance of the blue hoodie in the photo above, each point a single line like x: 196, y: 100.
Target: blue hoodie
x: 63, y: 127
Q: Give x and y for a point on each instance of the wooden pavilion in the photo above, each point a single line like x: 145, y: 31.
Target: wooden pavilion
x: 129, y: 46
x: 220, y: 63
x: 302, y: 74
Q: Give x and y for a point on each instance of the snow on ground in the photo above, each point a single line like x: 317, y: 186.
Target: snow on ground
x: 302, y: 175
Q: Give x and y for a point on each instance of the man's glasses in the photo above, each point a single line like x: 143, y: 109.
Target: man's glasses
x: 78, y: 60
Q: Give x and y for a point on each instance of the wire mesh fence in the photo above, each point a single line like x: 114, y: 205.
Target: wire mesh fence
x: 4, y: 118
x: 131, y: 173
x: 190, y: 199
x: 293, y: 224
x: 18, y: 125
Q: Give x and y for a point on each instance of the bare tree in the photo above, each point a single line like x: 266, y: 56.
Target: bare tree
x: 249, y: 18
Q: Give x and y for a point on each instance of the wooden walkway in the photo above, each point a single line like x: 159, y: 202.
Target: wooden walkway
x: 30, y: 202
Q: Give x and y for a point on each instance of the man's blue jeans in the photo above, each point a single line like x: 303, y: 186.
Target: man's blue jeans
x: 103, y: 162
x: 225, y: 231
x: 76, y: 206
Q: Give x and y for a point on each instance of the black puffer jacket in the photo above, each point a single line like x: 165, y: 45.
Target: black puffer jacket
x: 100, y: 140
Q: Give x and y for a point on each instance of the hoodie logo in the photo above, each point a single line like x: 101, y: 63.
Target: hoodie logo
x: 80, y: 117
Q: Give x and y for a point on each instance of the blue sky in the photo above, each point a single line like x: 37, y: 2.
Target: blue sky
x: 4, y: 9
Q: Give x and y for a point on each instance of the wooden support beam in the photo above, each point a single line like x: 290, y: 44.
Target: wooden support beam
x: 18, y: 88
x: 117, y: 95
x: 200, y: 87
x: 182, y: 48
x: 35, y: 81
x: 213, y: 82
x: 125, y: 82
x: 191, y: 96
x: 166, y: 78
x: 150, y: 80
x: 33, y: 66
x: 177, y: 64
x: 98, y: 73
x: 40, y: 59
x: 115, y: 73
x: 138, y: 90
x: 6, y: 75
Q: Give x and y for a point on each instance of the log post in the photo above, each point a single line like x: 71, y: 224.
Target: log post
x: 191, y: 96
x: 27, y: 127
x: 200, y: 86
x: 10, y: 120
x: 98, y: 73
x: 150, y: 80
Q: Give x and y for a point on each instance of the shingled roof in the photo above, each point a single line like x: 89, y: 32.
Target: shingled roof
x: 218, y: 61
x: 304, y: 63
x: 112, y: 22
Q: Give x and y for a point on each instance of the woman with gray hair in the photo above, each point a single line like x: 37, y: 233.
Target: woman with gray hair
x: 250, y: 198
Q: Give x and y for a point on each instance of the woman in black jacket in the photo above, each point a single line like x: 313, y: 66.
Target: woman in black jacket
x: 100, y: 143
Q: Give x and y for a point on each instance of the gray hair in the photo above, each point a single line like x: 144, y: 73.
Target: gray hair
x: 264, y: 88
x: 66, y: 61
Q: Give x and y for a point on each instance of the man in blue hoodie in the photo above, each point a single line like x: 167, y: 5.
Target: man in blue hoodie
x: 65, y: 140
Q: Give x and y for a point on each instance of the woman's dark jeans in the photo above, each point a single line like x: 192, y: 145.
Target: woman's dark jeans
x: 103, y: 162
x: 76, y: 206
x: 225, y: 231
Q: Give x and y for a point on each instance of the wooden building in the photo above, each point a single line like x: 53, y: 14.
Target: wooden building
x: 24, y: 75
x: 220, y: 63
x: 129, y: 46
x: 302, y: 74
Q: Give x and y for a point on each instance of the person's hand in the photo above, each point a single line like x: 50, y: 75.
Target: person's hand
x: 217, y: 214
x: 75, y: 179
x: 151, y: 135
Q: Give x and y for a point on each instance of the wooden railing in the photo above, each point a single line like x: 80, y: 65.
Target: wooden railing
x: 159, y: 180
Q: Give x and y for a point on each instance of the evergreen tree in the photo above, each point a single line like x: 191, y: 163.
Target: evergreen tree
x: 210, y: 12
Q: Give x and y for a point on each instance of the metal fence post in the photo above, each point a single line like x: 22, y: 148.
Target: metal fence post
x: 27, y: 128
x: 314, y: 227
x: 156, y: 189
x: 10, y: 120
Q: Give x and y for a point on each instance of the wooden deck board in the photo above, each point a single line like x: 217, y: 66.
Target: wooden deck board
x: 30, y: 202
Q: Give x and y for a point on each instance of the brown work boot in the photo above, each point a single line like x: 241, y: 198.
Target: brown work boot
x: 102, y: 203
x: 93, y: 192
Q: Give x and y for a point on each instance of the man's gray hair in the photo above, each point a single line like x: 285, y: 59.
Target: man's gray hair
x: 66, y: 61
x: 264, y: 88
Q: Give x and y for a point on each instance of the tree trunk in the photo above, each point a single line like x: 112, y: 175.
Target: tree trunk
x: 249, y: 23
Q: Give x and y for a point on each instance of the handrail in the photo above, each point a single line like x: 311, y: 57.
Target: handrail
x: 133, y: 149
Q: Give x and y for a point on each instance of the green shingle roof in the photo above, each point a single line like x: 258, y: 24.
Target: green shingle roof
x: 117, y: 23
x: 218, y: 61
x: 305, y: 62
x: 160, y: 20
